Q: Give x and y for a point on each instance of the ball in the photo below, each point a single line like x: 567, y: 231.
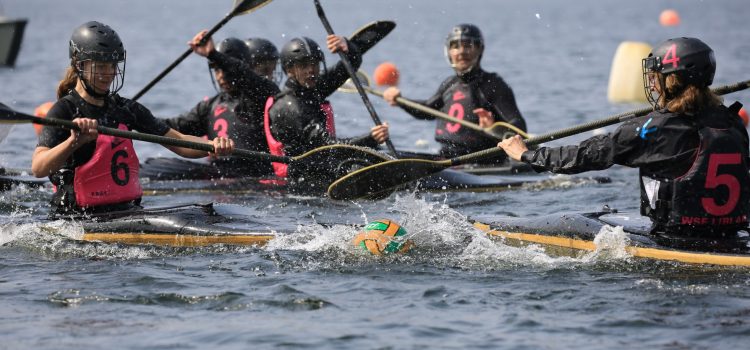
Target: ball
x: 383, y: 237
x: 386, y: 74
x: 743, y: 115
x: 41, y: 112
x: 669, y: 18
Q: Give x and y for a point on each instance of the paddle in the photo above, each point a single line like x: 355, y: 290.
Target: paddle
x: 240, y: 7
x: 353, y: 75
x: 496, y: 130
x: 4, y: 129
x: 314, y: 156
x: 382, y: 178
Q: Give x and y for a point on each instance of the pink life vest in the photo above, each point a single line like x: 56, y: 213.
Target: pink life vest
x: 111, y: 175
x: 277, y: 148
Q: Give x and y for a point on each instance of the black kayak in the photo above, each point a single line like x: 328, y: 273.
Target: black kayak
x: 174, y: 175
x: 10, y: 178
x: 573, y: 234
x: 185, y: 225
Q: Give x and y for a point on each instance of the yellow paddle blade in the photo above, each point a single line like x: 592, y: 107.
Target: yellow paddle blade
x: 242, y: 7
x: 378, y: 180
x: 349, y: 86
x: 500, y: 128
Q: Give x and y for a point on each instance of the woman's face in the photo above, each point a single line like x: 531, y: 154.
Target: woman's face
x: 654, y: 82
x: 99, y: 75
x: 266, y: 69
x: 222, y: 80
x: 464, y: 54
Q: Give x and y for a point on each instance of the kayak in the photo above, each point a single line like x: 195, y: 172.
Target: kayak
x: 10, y: 178
x: 185, y: 226
x: 574, y: 234
x: 571, y: 234
x: 174, y: 175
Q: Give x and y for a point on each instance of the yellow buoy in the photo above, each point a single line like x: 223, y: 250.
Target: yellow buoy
x: 626, y: 76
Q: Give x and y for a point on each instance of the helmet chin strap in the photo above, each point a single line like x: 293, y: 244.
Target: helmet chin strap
x: 461, y: 73
x: 92, y: 92
x: 467, y: 70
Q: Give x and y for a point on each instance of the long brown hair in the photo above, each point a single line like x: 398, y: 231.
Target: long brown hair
x: 685, y: 98
x: 68, y: 82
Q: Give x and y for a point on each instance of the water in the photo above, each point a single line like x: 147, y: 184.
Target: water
x: 312, y: 288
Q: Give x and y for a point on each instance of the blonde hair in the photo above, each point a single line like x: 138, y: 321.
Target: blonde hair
x: 68, y: 82
x: 685, y: 98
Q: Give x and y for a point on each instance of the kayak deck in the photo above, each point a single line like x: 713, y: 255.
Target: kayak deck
x: 188, y: 225
x: 573, y: 235
x: 10, y: 178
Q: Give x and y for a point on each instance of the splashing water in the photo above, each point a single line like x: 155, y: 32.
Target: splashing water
x: 610, y: 245
x: 442, y: 237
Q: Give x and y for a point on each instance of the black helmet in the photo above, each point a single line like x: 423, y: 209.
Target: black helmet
x: 464, y: 32
x: 300, y: 49
x: 690, y: 58
x: 261, y: 50
x: 235, y: 48
x: 96, y: 41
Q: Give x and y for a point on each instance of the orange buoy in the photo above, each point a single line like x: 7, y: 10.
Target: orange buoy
x: 386, y: 74
x: 743, y: 115
x: 669, y: 18
x: 41, y: 112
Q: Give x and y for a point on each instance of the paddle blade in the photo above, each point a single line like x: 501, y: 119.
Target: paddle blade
x: 503, y: 130
x: 9, y: 116
x: 314, y: 171
x: 370, y: 34
x: 383, y: 178
x: 349, y: 86
x: 242, y: 7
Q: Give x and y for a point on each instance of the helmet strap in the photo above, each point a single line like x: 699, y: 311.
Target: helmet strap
x: 89, y: 90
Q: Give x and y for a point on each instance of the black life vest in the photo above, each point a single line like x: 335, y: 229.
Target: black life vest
x: 714, y: 192
x: 460, y: 100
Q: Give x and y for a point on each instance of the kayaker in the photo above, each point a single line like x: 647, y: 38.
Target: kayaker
x: 300, y: 117
x: 471, y: 94
x: 691, y: 150
x: 91, y: 172
x: 236, y: 111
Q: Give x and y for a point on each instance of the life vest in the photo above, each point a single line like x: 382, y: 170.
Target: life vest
x: 460, y: 101
x: 277, y: 148
x: 111, y: 175
x: 714, y: 192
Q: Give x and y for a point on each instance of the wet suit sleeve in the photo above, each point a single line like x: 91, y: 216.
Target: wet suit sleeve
x: 246, y: 78
x: 624, y: 146
x: 502, y: 102
x: 329, y: 83
x: 52, y: 136
x: 335, y: 77
x: 145, y: 121
x: 194, y: 121
x: 320, y: 137
x: 435, y: 102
